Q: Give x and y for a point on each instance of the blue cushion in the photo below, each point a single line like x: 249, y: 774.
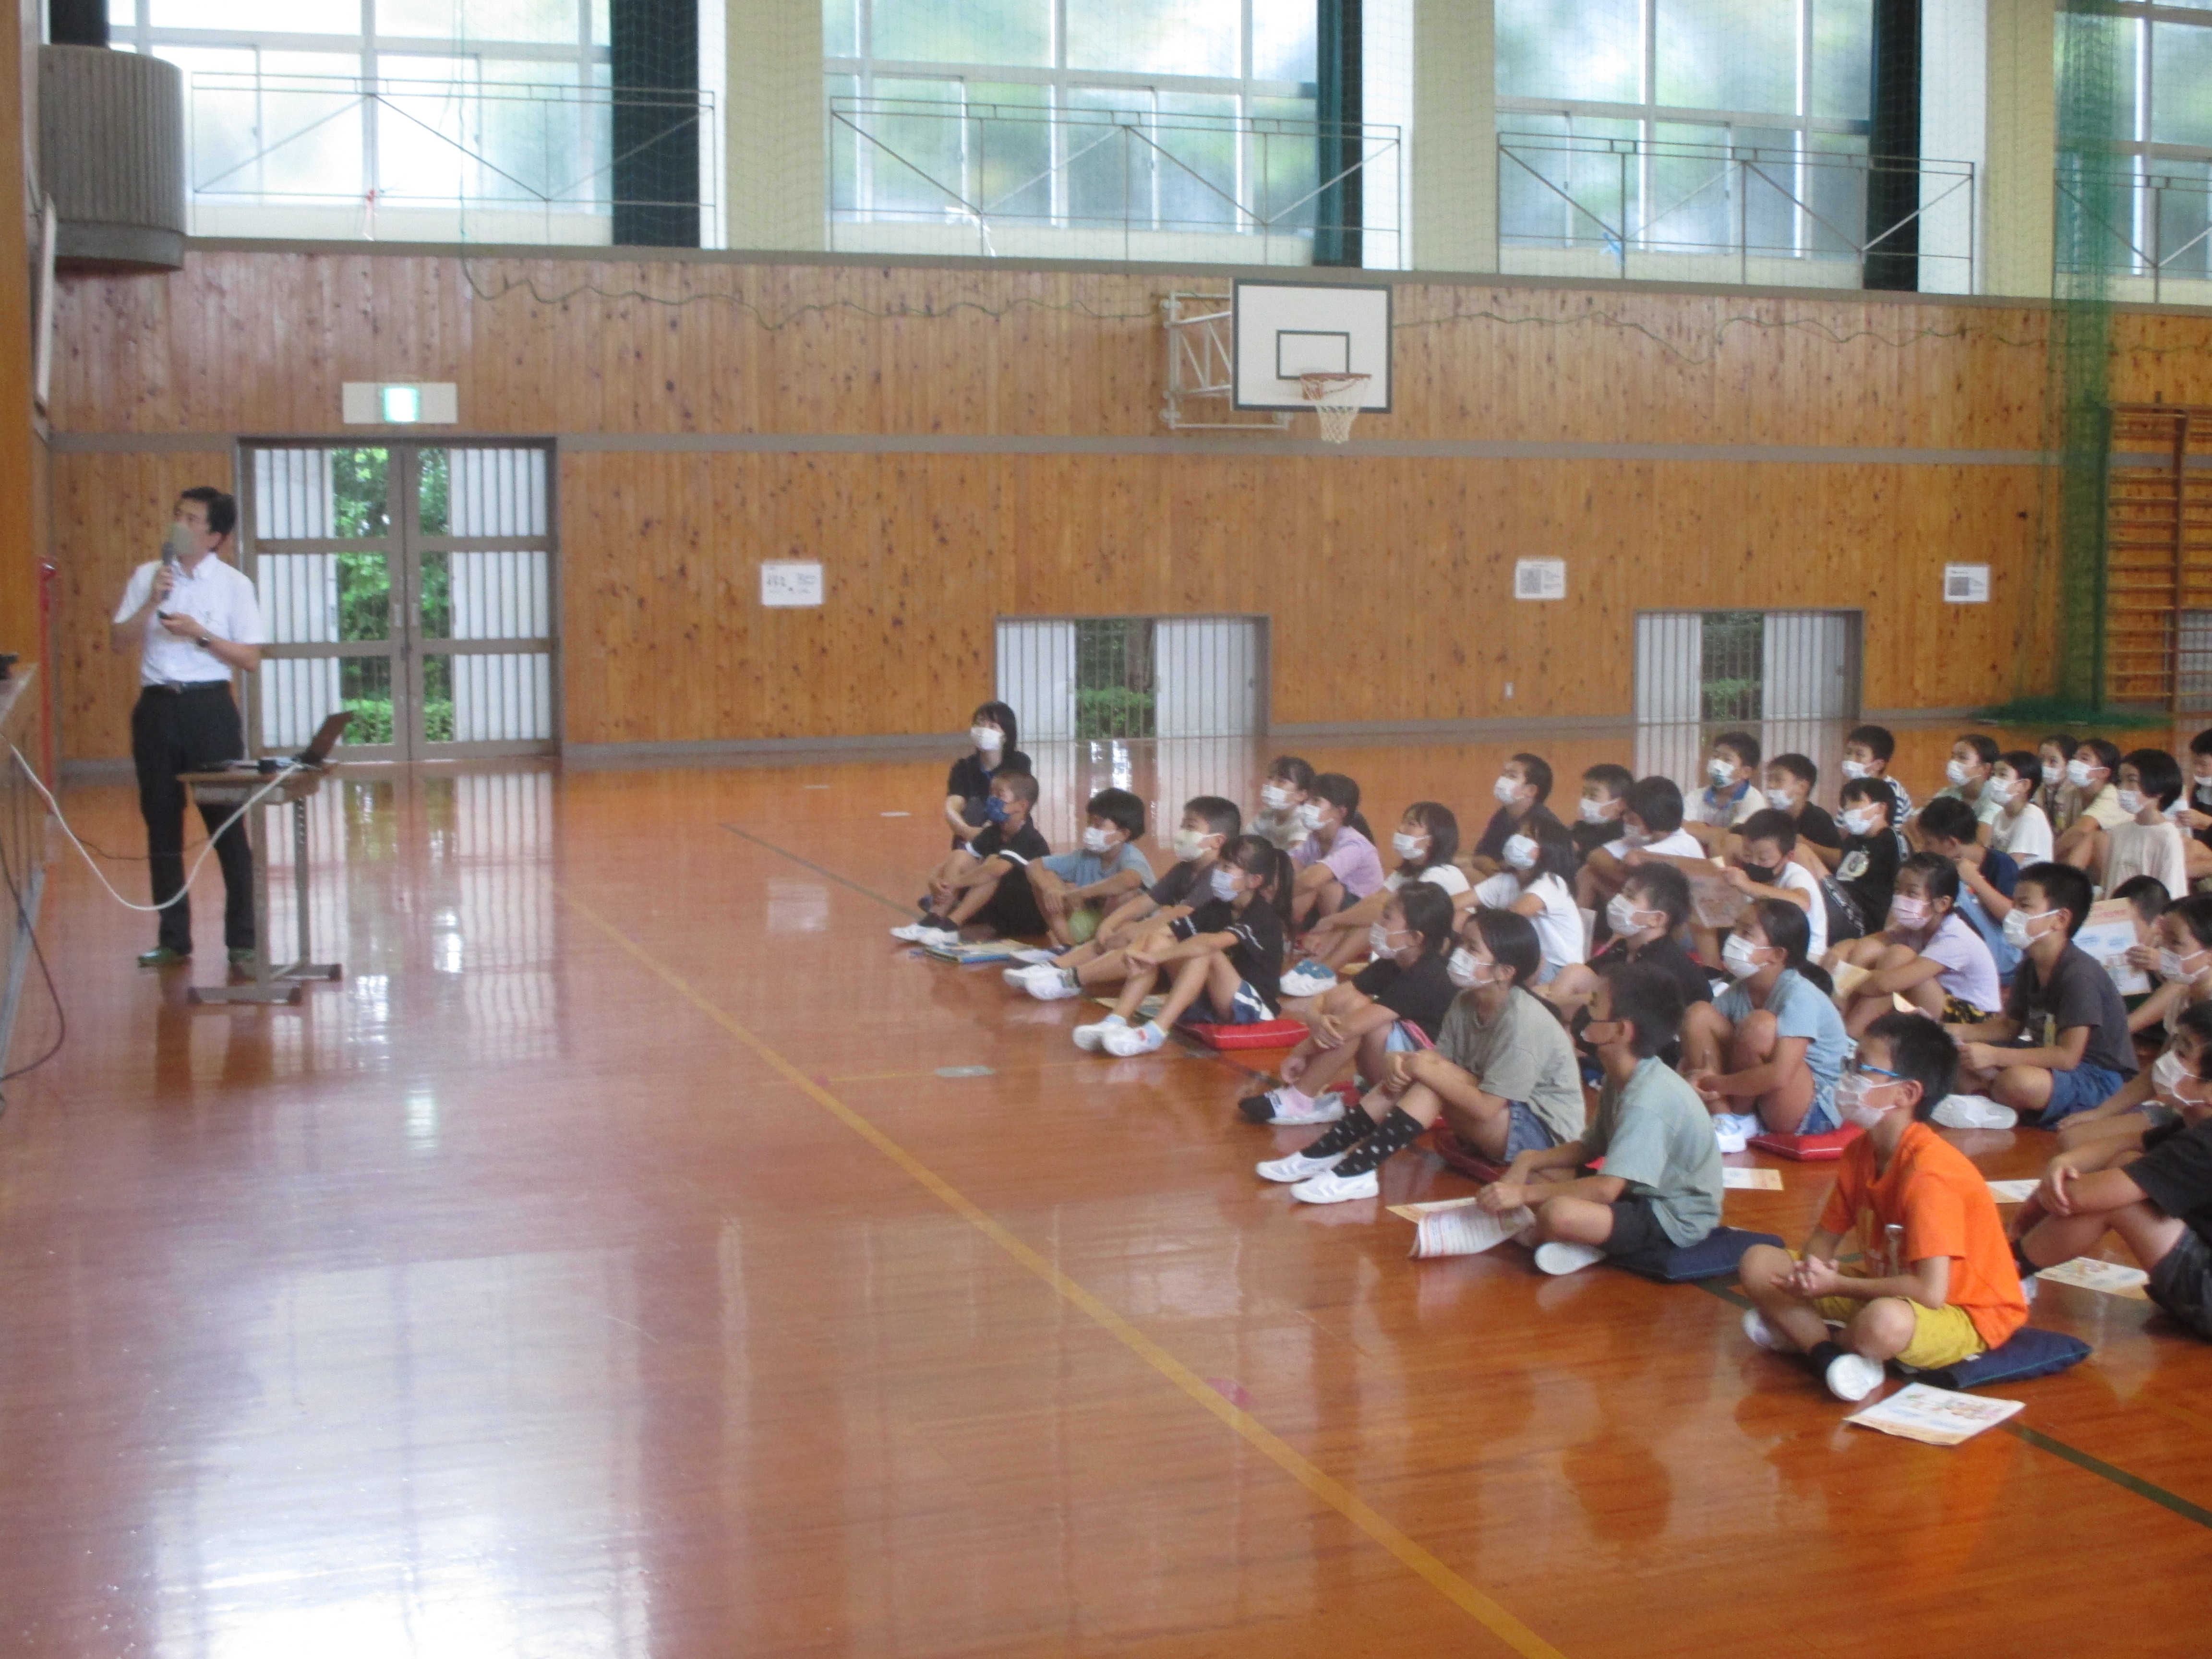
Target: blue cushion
x: 1713, y: 1256
x: 2028, y: 1352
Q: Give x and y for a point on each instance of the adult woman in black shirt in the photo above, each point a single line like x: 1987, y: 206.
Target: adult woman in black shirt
x: 967, y: 785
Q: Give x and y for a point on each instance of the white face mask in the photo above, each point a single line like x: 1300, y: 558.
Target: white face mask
x: 1779, y: 801
x: 1274, y: 797
x: 1959, y: 772
x: 1735, y: 957
x: 1852, y: 1088
x: 2204, y: 790
x: 1379, y: 941
x: 2077, y: 773
x: 1309, y: 815
x: 1096, y: 840
x: 1467, y: 972
x: 2006, y: 784
x: 2173, y: 965
x: 1521, y: 852
x: 989, y: 738
x: 1720, y: 771
x: 2054, y: 773
x: 1634, y: 836
x: 1595, y: 811
x: 2016, y: 930
x: 1226, y: 883
x: 1409, y: 846
x: 1620, y: 914
x: 1910, y: 914
x: 2166, y: 1075
x: 1508, y: 790
x: 1189, y: 844
x: 1862, y: 820
x: 1857, y: 769
x: 2131, y: 800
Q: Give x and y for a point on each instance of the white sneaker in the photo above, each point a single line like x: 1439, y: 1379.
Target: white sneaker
x: 1326, y: 1109
x: 1134, y: 1040
x: 2027, y: 1287
x: 1973, y: 1112
x: 1298, y: 1167
x: 1762, y: 1334
x: 1853, y: 1377
x: 1330, y: 1187
x: 1557, y: 1257
x: 1091, y: 1038
x: 1308, y: 978
x: 1731, y: 1141
x: 1051, y: 985
x: 1016, y: 977
x: 916, y: 932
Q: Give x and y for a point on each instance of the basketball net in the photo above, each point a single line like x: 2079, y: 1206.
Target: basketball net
x: 1335, y: 400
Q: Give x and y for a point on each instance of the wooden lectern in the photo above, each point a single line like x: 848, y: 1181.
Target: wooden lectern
x: 230, y: 790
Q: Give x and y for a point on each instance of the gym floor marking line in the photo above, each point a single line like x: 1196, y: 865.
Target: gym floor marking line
x: 2042, y: 1441
x: 1455, y: 1589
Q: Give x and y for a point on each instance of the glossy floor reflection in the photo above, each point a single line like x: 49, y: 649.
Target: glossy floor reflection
x: 604, y: 1266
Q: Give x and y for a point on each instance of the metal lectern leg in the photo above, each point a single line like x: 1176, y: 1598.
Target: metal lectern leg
x: 301, y: 968
x: 265, y: 985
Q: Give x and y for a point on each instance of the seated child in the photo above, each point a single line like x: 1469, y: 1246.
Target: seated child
x: 1405, y: 983
x: 1936, y: 1283
x: 1966, y: 775
x: 1929, y: 954
x: 1605, y: 790
x: 1223, y: 959
x: 1867, y: 750
x: 1645, y: 915
x: 1650, y: 830
x: 1660, y: 1188
x: 2194, y: 817
x: 967, y: 785
x: 1523, y: 785
x: 2096, y: 802
x: 1280, y: 818
x: 2018, y: 828
x: 1337, y: 865
x: 1731, y: 794
x: 1540, y: 864
x: 1763, y: 866
x: 2154, y: 1191
x: 990, y: 886
x: 1074, y: 890
x: 1790, y: 780
x: 1986, y: 876
x: 1503, y: 1072
x: 1426, y: 844
x: 2148, y: 843
x: 1775, y: 1029
x: 2176, y: 952
x: 2149, y: 1098
x: 2061, y: 1046
x: 2053, y: 793
x: 1209, y: 823
x: 1872, y: 849
x: 2147, y: 901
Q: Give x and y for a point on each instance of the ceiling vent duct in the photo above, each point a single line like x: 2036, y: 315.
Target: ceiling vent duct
x: 112, y: 148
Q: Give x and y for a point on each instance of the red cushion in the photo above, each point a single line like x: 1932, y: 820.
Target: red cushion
x: 1808, y: 1149
x: 1262, y: 1034
x: 1460, y: 1156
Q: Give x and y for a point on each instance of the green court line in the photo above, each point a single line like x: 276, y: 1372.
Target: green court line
x: 2042, y: 1441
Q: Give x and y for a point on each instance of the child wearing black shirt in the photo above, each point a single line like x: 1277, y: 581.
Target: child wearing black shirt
x: 991, y: 888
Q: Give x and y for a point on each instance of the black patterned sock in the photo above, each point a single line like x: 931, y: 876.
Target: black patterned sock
x: 1392, y: 1134
x: 1347, y: 1132
x: 1822, y: 1355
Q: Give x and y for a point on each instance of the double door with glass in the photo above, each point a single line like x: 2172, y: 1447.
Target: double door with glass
x: 409, y: 584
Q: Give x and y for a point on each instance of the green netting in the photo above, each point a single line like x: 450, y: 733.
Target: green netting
x: 2090, y: 205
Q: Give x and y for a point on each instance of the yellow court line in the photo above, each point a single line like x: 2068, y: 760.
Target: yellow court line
x: 1331, y: 1491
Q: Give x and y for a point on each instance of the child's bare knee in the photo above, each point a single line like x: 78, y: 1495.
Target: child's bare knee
x: 1764, y: 1267
x: 1883, y: 1327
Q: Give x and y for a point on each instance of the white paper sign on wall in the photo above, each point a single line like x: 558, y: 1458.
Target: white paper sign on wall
x: 791, y: 582
x: 1540, y: 579
x: 1966, y: 584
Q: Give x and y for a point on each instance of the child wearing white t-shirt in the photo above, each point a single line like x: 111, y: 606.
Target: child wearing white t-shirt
x: 1536, y: 883
x: 1763, y: 866
x: 2018, y: 828
x: 1650, y: 828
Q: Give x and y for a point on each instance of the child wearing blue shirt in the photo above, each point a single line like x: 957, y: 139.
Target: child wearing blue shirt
x: 1776, y: 1029
x: 1074, y: 890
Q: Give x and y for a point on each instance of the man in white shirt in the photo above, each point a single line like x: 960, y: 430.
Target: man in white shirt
x: 195, y: 620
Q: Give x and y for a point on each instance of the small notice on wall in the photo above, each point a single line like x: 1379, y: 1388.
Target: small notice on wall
x: 1540, y: 579
x: 1966, y: 584
x: 788, y: 582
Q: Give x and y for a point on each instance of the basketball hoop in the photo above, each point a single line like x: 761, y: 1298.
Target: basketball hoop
x: 1335, y: 400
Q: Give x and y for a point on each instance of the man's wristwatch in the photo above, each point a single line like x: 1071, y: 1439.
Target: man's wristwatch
x: 202, y: 642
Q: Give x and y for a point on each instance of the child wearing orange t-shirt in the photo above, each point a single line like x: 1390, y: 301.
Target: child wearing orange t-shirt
x: 1936, y: 1284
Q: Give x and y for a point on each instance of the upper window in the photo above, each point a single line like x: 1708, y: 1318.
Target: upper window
x: 439, y: 120
x: 1139, y: 128
x: 2151, y: 215
x: 1727, y: 128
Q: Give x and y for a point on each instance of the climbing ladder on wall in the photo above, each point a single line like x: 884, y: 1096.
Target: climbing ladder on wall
x: 2157, y: 614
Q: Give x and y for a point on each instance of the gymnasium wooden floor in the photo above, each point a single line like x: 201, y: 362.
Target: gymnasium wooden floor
x: 640, y: 1253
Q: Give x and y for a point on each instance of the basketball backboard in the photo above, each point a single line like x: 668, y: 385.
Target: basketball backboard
x: 1284, y: 329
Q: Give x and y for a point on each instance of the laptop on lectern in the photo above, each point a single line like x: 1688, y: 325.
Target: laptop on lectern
x: 326, y: 739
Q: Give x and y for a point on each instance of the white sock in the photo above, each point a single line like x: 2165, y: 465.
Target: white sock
x: 1294, y: 1095
x: 1113, y: 1019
